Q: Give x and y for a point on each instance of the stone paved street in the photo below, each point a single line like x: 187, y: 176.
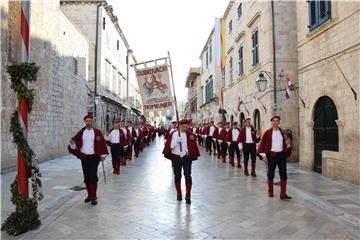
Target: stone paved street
x: 141, y: 204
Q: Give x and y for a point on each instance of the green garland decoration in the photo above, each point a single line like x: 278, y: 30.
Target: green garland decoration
x: 25, y: 217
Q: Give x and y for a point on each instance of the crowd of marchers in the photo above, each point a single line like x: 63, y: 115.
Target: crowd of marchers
x: 183, y: 138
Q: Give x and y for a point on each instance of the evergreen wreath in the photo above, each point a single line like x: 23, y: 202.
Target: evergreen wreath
x: 25, y: 217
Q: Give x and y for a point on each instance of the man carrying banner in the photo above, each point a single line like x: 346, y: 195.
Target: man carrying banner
x: 182, y: 150
x: 89, y: 146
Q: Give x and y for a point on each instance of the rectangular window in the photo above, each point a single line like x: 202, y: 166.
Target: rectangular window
x: 319, y: 12
x: 104, y: 23
x: 202, y: 95
x: 207, y: 58
x: 241, y: 60
x: 114, y: 80
x: 231, y: 68
x: 117, y: 44
x: 210, y: 53
x: 209, y: 90
x: 230, y: 26
x: 239, y: 11
x: 255, y: 47
x: 75, y: 66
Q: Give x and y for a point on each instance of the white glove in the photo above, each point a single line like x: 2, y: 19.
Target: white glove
x: 182, y: 153
x: 228, y: 143
x: 263, y: 155
x: 178, y: 140
x: 240, y: 146
x: 135, y: 138
x: 214, y: 139
x: 125, y: 147
x: 220, y: 141
x: 72, y: 145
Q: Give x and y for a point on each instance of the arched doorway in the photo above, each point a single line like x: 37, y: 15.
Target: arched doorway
x: 257, y: 120
x: 326, y: 135
x: 242, y: 119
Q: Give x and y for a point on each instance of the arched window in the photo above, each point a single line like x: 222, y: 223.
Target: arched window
x: 256, y: 118
x: 242, y: 119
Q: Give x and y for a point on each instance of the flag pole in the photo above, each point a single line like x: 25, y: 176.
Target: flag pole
x: 175, y: 101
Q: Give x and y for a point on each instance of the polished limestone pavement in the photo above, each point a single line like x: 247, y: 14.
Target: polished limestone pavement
x: 141, y: 204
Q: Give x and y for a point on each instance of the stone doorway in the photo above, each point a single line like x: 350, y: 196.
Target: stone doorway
x: 326, y: 134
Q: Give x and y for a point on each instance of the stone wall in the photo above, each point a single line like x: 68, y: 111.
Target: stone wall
x: 257, y: 15
x: 337, y: 39
x: 61, y: 94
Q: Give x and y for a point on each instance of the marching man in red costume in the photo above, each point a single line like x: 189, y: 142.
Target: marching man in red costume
x: 182, y: 150
x: 125, y: 143
x: 217, y: 138
x: 275, y: 148
x: 89, y: 146
x: 248, y: 139
x: 170, y: 130
x: 137, y: 140
x: 222, y: 139
x: 210, y: 139
x: 233, y: 139
x: 116, y: 140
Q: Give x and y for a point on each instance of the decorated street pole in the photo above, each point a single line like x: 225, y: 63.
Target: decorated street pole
x: 23, y: 103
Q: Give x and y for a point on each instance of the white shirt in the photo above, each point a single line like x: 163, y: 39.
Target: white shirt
x: 277, y: 141
x: 248, y: 135
x: 194, y: 130
x: 124, y: 131
x: 130, y: 129
x: 88, y: 139
x: 114, y: 136
x: 235, y: 134
x: 175, y: 146
x: 137, y: 132
x: 211, y: 131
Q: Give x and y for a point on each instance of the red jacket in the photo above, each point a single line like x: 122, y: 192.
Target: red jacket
x: 223, y: 135
x: 123, y: 140
x: 266, y: 144
x: 192, y: 146
x: 229, y: 136
x: 216, y: 133
x: 253, y: 135
x: 99, y: 144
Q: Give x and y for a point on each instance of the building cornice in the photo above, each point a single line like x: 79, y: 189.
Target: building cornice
x: 207, y: 42
x: 239, y: 36
x: 228, y: 8
x: 253, y: 19
x: 109, y: 10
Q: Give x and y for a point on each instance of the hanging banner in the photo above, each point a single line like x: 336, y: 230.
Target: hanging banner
x: 154, y: 83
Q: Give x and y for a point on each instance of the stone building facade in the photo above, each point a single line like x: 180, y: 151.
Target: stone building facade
x: 261, y: 38
x: 192, y: 82
x: 328, y: 40
x: 61, y: 51
x: 109, y: 61
x: 210, y: 82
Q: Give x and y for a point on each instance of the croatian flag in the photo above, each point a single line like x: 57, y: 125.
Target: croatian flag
x: 240, y: 101
x: 289, y: 86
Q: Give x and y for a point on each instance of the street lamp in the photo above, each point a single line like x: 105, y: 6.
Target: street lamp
x: 261, y: 82
x: 97, y: 100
